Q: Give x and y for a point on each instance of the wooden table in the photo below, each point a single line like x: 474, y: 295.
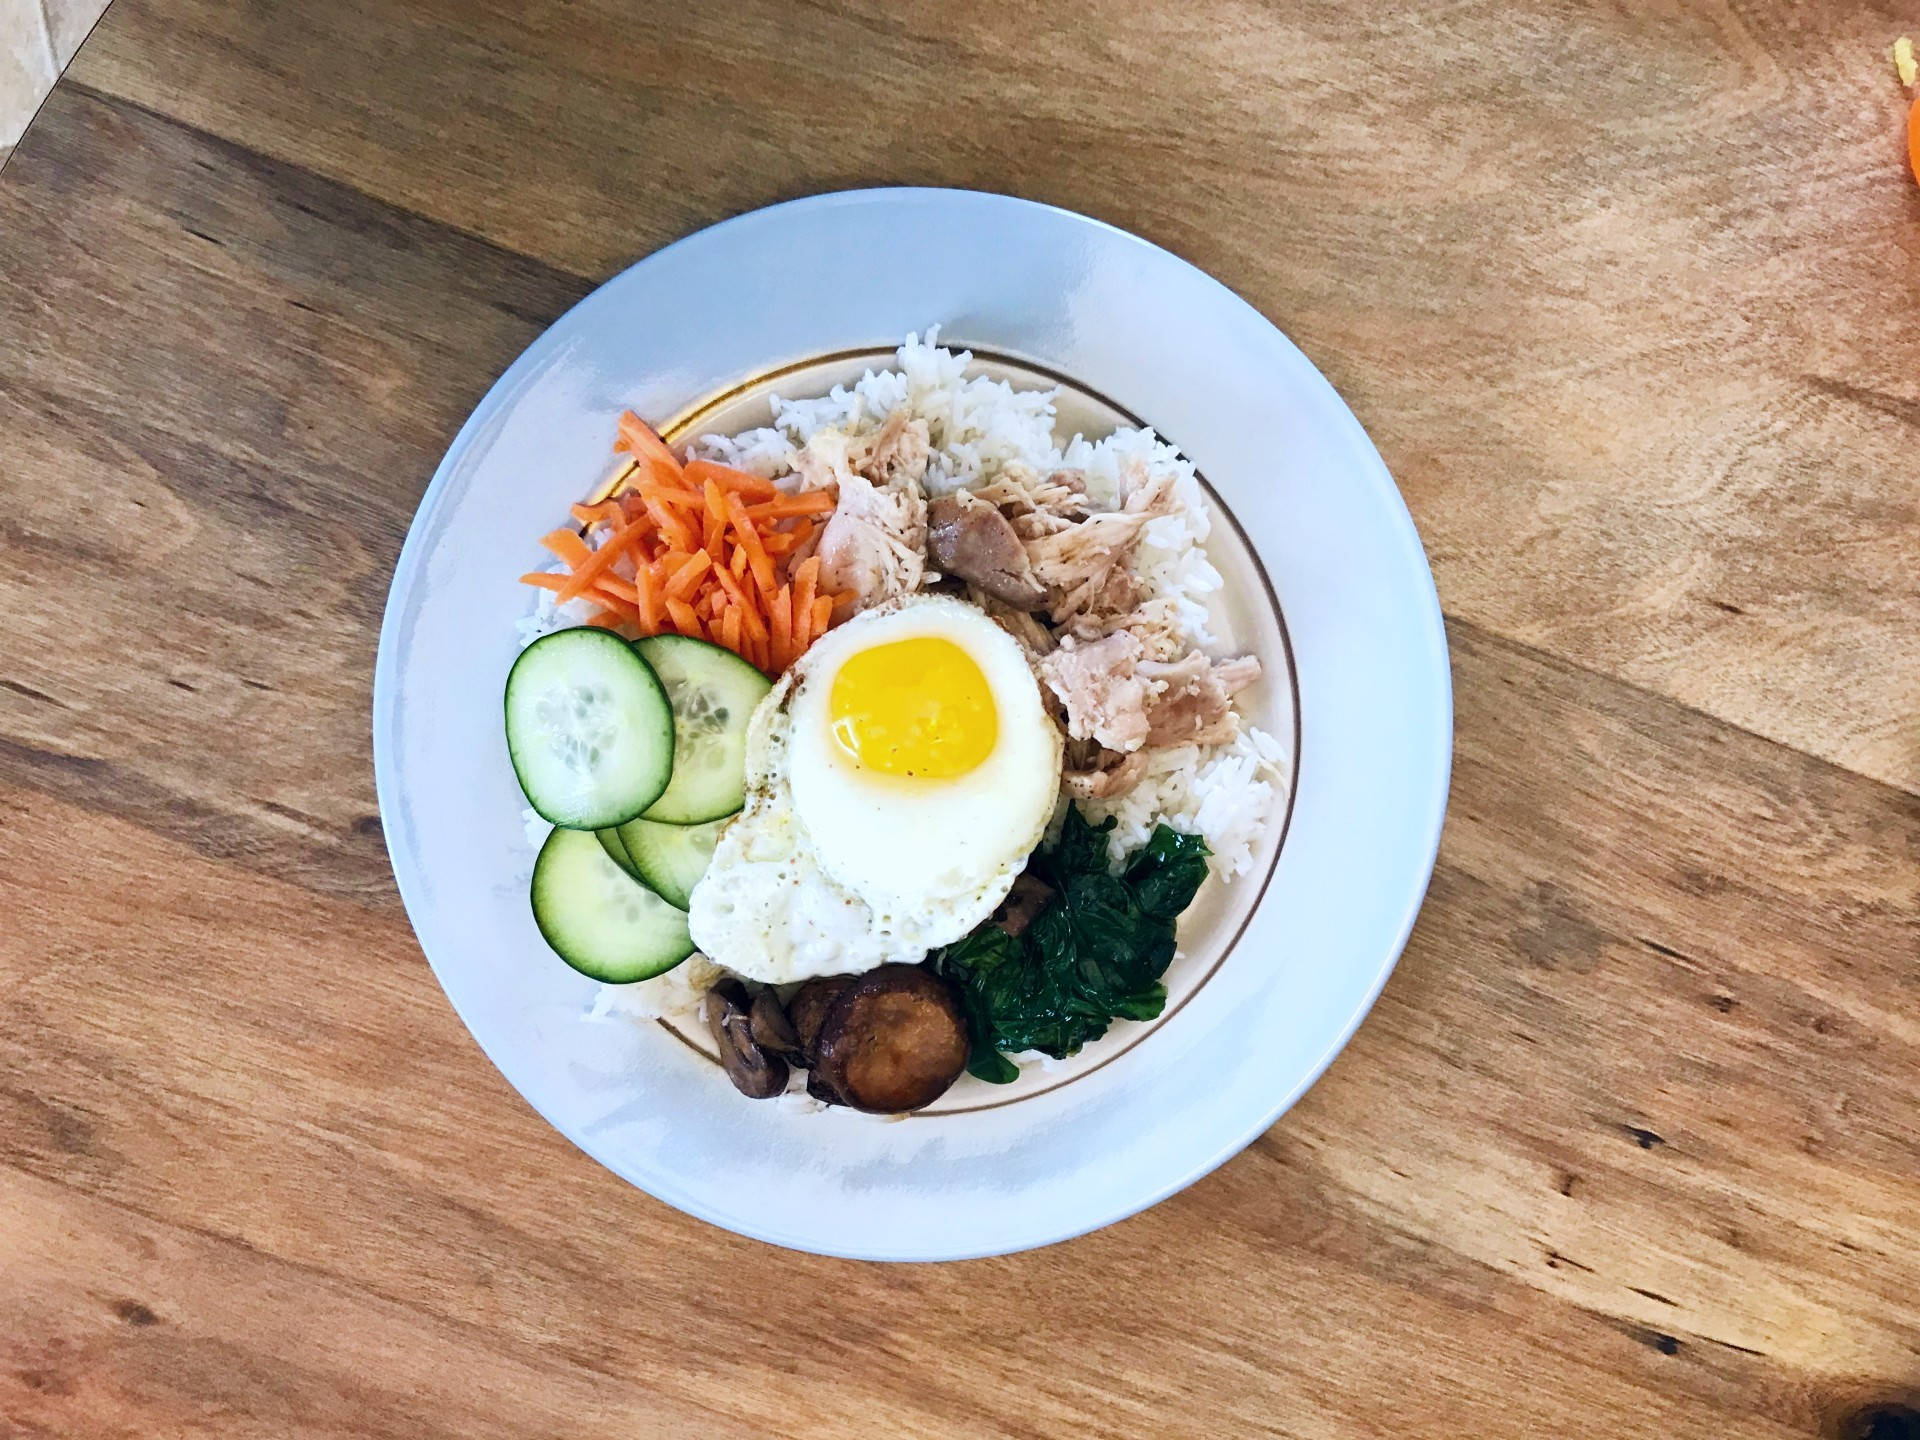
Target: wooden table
x: 1625, y: 294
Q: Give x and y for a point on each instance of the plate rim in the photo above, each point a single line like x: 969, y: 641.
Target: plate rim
x: 1426, y: 814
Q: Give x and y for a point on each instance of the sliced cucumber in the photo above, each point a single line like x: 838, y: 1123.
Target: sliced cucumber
x: 617, y: 852
x: 713, y: 692
x: 589, y: 728
x: 598, y: 918
x: 670, y: 859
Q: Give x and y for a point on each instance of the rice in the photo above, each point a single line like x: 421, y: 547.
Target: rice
x: 547, y: 617
x: 1223, y: 793
x: 677, y: 992
x: 976, y: 424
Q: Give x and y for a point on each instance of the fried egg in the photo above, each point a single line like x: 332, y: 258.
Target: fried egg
x: 898, y: 777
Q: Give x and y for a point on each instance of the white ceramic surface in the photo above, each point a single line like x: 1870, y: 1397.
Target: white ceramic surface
x: 1155, y: 337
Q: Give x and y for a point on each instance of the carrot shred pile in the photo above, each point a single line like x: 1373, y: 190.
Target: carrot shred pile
x: 699, y: 549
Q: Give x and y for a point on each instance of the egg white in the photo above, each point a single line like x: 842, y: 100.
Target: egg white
x: 831, y: 870
x: 934, y: 856
x: 765, y: 909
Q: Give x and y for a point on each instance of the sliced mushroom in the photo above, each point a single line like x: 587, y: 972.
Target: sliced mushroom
x: 807, y: 1007
x: 753, y: 1071
x: 892, y: 1041
x: 771, y: 1030
x: 1024, y: 902
x: 972, y: 539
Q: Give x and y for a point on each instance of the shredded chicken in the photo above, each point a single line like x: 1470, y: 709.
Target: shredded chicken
x: 1103, y: 774
x: 1103, y: 695
x: 1084, y: 566
x: 1036, y: 639
x: 874, y: 543
x: 1193, y: 700
x: 898, y: 451
x: 1111, y: 694
x: 1034, y: 506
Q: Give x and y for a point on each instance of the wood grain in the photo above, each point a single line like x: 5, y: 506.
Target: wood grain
x: 1619, y: 289
x: 1627, y: 1146
x: 213, y: 454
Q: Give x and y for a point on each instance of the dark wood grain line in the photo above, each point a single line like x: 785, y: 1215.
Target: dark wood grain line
x: 329, y: 198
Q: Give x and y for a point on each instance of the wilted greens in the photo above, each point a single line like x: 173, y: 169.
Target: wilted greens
x: 1094, y: 954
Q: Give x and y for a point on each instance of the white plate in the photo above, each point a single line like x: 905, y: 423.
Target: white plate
x: 1279, y: 967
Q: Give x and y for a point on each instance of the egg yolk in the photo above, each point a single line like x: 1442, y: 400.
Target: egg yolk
x: 919, y: 708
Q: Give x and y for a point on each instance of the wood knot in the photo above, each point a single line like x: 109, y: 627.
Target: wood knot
x: 134, y: 1313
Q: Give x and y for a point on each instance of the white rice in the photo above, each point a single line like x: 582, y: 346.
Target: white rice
x: 677, y: 992
x: 976, y: 424
x: 1225, y: 793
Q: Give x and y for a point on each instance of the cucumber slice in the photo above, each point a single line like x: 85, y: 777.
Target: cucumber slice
x: 670, y: 859
x: 589, y: 729
x: 713, y: 692
x: 598, y: 918
x: 617, y: 852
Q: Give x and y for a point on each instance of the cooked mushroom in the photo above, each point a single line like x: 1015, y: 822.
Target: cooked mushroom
x: 753, y: 1071
x: 807, y: 1007
x: 892, y: 1041
x: 768, y: 1023
x: 972, y: 539
x: 1023, y: 904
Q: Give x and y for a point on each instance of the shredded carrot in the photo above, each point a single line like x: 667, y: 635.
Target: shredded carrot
x: 739, y: 482
x: 701, y: 549
x: 621, y: 611
x: 671, y: 525
x: 646, y: 446
x: 672, y: 495
x: 808, y: 502
x: 688, y: 575
x: 780, y: 623
x: 590, y: 569
x: 749, y: 610
x: 607, y: 510
x: 568, y: 546
x: 758, y: 560
x: 648, y: 590
x: 805, y: 578
x: 684, y: 620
